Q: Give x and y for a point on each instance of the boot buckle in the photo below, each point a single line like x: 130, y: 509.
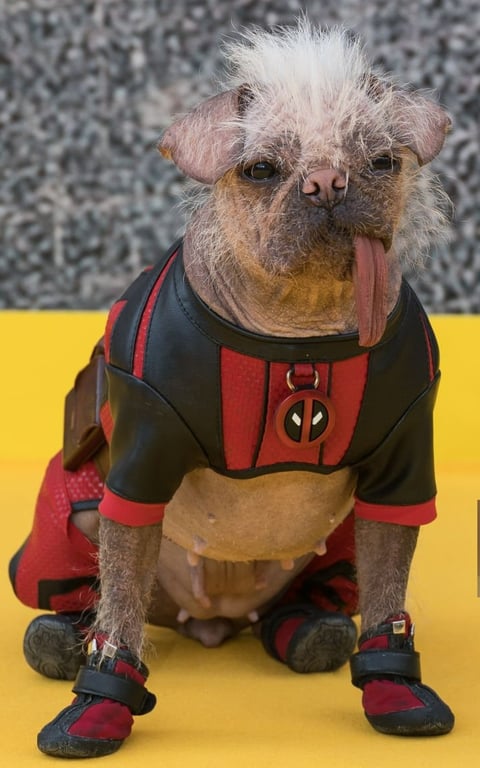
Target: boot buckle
x: 399, y: 627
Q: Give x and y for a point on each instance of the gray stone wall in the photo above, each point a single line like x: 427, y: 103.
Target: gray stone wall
x: 86, y: 87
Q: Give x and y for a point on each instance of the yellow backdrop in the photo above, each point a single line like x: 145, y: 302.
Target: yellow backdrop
x: 234, y: 706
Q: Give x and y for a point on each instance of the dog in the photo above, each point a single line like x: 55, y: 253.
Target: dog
x: 271, y: 384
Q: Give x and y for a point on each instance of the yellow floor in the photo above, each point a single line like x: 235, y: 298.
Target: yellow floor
x: 234, y: 706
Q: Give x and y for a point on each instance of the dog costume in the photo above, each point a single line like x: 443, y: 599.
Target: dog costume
x: 216, y: 398
x: 186, y: 390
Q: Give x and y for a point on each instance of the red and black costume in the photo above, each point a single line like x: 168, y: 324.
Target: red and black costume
x: 188, y: 389
x: 201, y: 392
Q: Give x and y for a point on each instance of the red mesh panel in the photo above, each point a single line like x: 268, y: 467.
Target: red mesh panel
x: 243, y: 384
x: 139, y: 354
x: 84, y: 484
x: 347, y: 385
x: 56, y: 550
x: 106, y: 420
x: 112, y: 319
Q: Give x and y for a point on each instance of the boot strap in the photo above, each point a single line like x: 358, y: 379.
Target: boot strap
x: 93, y: 682
x: 376, y: 664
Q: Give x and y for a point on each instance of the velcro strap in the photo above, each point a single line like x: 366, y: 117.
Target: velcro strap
x: 376, y: 664
x: 122, y: 689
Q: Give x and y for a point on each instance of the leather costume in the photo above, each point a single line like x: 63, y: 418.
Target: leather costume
x: 188, y: 389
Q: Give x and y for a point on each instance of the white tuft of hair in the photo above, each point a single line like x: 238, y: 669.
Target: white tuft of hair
x: 311, y: 82
x: 301, y: 60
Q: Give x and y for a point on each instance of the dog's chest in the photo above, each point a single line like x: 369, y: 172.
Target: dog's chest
x: 229, y: 546
x: 272, y: 517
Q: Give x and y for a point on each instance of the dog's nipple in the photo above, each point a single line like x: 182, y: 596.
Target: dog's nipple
x: 320, y: 547
x: 197, y: 580
x: 197, y: 571
x: 183, y: 616
x: 260, y: 576
x: 199, y: 545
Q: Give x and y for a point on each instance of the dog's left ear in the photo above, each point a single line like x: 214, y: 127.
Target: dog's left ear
x: 421, y: 124
x: 204, y: 143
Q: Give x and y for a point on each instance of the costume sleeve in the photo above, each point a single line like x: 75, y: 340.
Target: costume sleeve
x: 151, y: 449
x: 396, y: 483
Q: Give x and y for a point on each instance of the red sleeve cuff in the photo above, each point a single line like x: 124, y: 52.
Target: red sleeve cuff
x: 127, y: 512
x: 410, y: 514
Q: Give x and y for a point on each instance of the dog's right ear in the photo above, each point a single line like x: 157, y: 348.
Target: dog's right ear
x: 204, y: 143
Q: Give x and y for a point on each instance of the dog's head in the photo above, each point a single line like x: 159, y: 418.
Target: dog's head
x: 316, y: 162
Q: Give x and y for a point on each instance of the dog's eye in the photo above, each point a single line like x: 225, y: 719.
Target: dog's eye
x: 384, y: 163
x: 260, y: 171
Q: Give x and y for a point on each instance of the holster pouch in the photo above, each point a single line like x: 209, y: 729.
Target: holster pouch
x: 83, y: 435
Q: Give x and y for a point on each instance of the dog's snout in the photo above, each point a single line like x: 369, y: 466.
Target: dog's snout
x: 325, y: 186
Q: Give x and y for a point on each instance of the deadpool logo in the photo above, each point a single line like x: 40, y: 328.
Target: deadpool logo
x: 304, y: 419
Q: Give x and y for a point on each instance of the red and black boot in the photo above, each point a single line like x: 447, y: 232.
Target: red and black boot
x: 109, y: 689
x: 308, y: 639
x: 387, y: 669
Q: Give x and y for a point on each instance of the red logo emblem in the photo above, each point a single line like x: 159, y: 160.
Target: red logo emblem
x: 304, y: 419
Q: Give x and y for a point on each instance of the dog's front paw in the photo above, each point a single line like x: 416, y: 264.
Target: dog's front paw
x: 387, y: 669
x: 110, y: 689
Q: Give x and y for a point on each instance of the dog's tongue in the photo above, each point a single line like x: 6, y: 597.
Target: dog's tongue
x: 370, y: 284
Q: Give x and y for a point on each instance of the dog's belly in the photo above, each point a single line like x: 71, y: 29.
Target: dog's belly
x: 231, y: 546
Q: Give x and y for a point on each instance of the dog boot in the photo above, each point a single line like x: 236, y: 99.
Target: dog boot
x: 54, y: 644
x: 109, y: 690
x: 308, y: 639
x: 387, y: 669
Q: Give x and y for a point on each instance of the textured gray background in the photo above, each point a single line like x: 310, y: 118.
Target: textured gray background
x: 86, y: 87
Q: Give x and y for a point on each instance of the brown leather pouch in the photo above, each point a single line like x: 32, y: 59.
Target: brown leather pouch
x: 83, y: 435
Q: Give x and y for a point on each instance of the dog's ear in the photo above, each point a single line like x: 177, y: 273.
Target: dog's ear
x: 421, y: 124
x: 204, y: 143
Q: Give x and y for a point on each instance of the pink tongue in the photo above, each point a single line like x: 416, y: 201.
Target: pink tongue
x: 370, y: 283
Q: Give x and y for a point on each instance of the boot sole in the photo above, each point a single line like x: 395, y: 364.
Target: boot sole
x: 53, y: 647
x: 55, y: 740
x: 322, y: 644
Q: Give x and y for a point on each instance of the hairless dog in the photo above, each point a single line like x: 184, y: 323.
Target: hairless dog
x: 271, y: 384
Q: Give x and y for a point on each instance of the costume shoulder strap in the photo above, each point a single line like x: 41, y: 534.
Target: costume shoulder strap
x: 125, y: 317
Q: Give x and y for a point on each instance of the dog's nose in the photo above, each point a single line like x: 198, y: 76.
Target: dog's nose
x: 325, y: 187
